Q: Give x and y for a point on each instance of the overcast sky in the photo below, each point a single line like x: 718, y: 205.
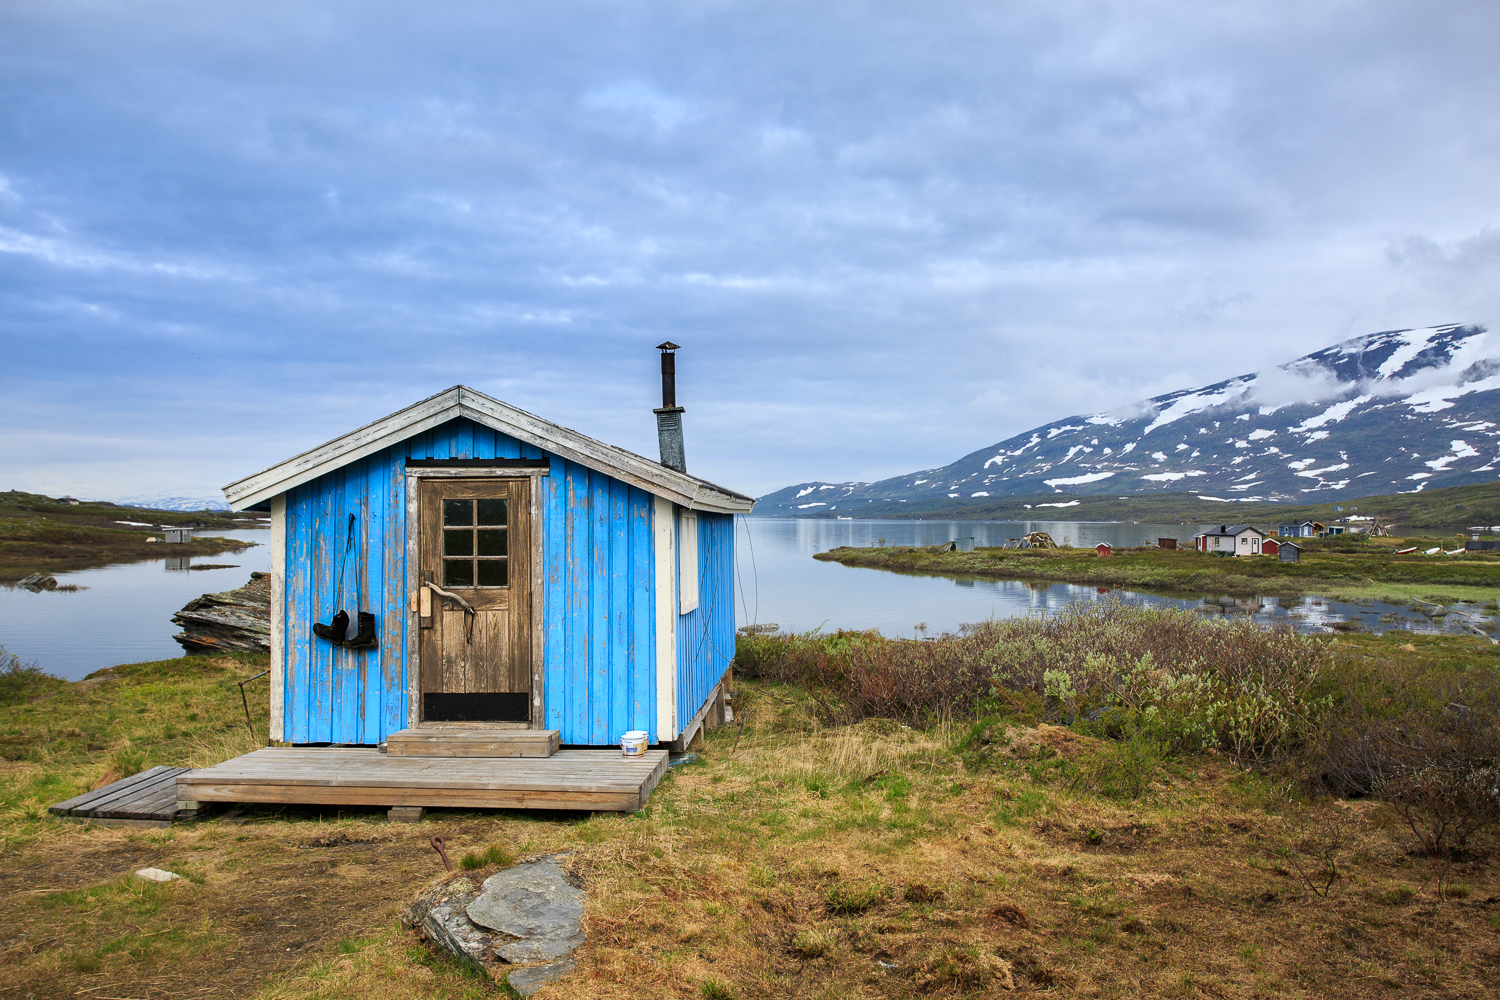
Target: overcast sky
x: 886, y: 234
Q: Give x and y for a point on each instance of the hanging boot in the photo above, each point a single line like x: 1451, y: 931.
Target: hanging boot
x: 366, y: 637
x: 334, y: 631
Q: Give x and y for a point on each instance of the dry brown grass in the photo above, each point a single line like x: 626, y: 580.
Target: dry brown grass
x: 797, y: 860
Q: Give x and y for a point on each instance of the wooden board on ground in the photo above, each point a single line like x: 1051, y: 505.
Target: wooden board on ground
x: 569, y: 779
x: 477, y: 741
x: 145, y: 799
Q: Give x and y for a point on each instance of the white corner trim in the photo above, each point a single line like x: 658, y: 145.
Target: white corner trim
x: 278, y: 617
x: 461, y: 401
x: 663, y: 539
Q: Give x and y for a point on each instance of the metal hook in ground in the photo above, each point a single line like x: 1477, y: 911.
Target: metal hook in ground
x: 437, y: 845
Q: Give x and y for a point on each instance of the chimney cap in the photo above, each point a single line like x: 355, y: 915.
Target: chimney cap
x: 668, y: 346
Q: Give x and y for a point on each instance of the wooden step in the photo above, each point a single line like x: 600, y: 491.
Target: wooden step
x: 476, y: 741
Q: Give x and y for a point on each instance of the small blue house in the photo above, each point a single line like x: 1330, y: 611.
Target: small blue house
x: 515, y: 574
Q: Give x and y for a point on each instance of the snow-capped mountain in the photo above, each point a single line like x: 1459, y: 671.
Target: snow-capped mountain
x: 174, y: 502
x: 1389, y: 412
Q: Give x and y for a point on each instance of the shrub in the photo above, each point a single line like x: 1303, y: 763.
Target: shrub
x: 1192, y: 682
x: 21, y: 682
x: 1426, y: 741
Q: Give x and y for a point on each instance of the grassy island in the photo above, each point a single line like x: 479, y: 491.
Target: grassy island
x: 40, y: 534
x: 1356, y: 567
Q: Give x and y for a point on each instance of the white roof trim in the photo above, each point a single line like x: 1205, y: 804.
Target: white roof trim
x: 461, y: 401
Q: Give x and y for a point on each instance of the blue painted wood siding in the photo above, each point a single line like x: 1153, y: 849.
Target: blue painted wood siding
x: 705, y: 635
x: 596, y: 603
x: 598, y: 575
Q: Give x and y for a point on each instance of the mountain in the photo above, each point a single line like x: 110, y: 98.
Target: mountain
x: 1392, y: 412
x: 175, y: 502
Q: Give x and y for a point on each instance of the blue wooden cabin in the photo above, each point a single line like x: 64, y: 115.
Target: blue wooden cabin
x: 519, y: 574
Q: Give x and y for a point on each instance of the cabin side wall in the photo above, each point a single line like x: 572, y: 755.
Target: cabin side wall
x: 595, y: 606
x: 705, y: 635
x: 598, y: 578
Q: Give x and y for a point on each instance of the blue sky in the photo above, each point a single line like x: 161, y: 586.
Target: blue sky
x: 886, y: 234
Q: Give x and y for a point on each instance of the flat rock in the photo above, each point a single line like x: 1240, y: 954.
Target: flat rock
x: 156, y: 875
x: 520, y: 925
x: 536, y: 904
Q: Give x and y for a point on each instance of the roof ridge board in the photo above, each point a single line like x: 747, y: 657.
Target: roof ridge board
x: 499, y: 415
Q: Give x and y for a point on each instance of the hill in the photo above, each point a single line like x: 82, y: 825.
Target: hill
x: 1451, y: 507
x: 1397, y: 412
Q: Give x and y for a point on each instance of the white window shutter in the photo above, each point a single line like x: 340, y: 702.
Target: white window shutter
x: 687, y: 562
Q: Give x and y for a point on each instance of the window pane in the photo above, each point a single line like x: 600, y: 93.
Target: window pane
x: 458, y: 573
x: 492, y: 572
x: 458, y: 543
x: 492, y: 512
x: 458, y: 512
x: 492, y: 542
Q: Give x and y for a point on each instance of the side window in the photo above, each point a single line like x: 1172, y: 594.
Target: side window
x: 687, y: 562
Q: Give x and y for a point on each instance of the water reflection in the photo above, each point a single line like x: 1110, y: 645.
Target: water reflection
x: 781, y: 582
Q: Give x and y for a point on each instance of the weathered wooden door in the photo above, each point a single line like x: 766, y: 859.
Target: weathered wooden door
x: 474, y: 537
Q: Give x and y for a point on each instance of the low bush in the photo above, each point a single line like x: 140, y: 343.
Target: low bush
x: 1107, y: 666
x: 21, y: 682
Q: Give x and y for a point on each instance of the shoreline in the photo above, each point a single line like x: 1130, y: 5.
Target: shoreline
x: 1362, y: 576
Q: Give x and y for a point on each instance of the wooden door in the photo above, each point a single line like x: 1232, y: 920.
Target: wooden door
x: 474, y: 540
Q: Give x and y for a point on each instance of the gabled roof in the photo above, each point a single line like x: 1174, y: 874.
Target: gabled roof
x: 461, y: 401
x: 1233, y: 529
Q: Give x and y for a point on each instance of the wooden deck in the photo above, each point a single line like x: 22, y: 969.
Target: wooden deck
x: 569, y: 779
x: 145, y: 799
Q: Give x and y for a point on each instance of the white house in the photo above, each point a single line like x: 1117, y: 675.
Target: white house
x: 1230, y: 539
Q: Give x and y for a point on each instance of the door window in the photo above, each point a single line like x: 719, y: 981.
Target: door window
x: 476, y: 544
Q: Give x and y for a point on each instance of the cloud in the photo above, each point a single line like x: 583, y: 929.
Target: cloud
x: 886, y: 236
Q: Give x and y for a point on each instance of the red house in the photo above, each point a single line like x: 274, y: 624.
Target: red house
x: 1103, y: 549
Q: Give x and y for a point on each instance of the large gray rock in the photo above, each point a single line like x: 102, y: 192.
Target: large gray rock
x: 233, y: 621
x: 521, y: 924
x: 535, y: 904
x: 440, y: 915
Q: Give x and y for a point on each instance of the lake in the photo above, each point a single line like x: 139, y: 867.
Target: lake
x: 125, y: 614
x: 781, y: 582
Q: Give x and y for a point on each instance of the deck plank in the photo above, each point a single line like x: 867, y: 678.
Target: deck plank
x: 82, y: 802
x: 569, y: 779
x: 148, y: 797
x: 121, y: 791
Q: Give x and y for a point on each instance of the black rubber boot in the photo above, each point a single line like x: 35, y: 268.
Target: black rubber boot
x: 366, y: 637
x: 334, y: 631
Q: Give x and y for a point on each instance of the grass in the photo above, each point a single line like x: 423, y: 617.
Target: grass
x: 1368, y: 569
x: 39, y: 534
x: 804, y: 857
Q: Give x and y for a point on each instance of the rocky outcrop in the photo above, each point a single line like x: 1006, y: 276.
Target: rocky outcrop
x: 236, y: 621
x: 520, y: 925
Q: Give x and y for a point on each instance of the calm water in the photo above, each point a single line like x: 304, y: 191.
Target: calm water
x: 781, y: 582
x: 125, y: 614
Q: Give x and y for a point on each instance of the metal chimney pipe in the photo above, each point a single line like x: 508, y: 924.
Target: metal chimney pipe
x: 669, y: 417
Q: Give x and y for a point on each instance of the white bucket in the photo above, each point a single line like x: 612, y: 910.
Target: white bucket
x: 634, y: 743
